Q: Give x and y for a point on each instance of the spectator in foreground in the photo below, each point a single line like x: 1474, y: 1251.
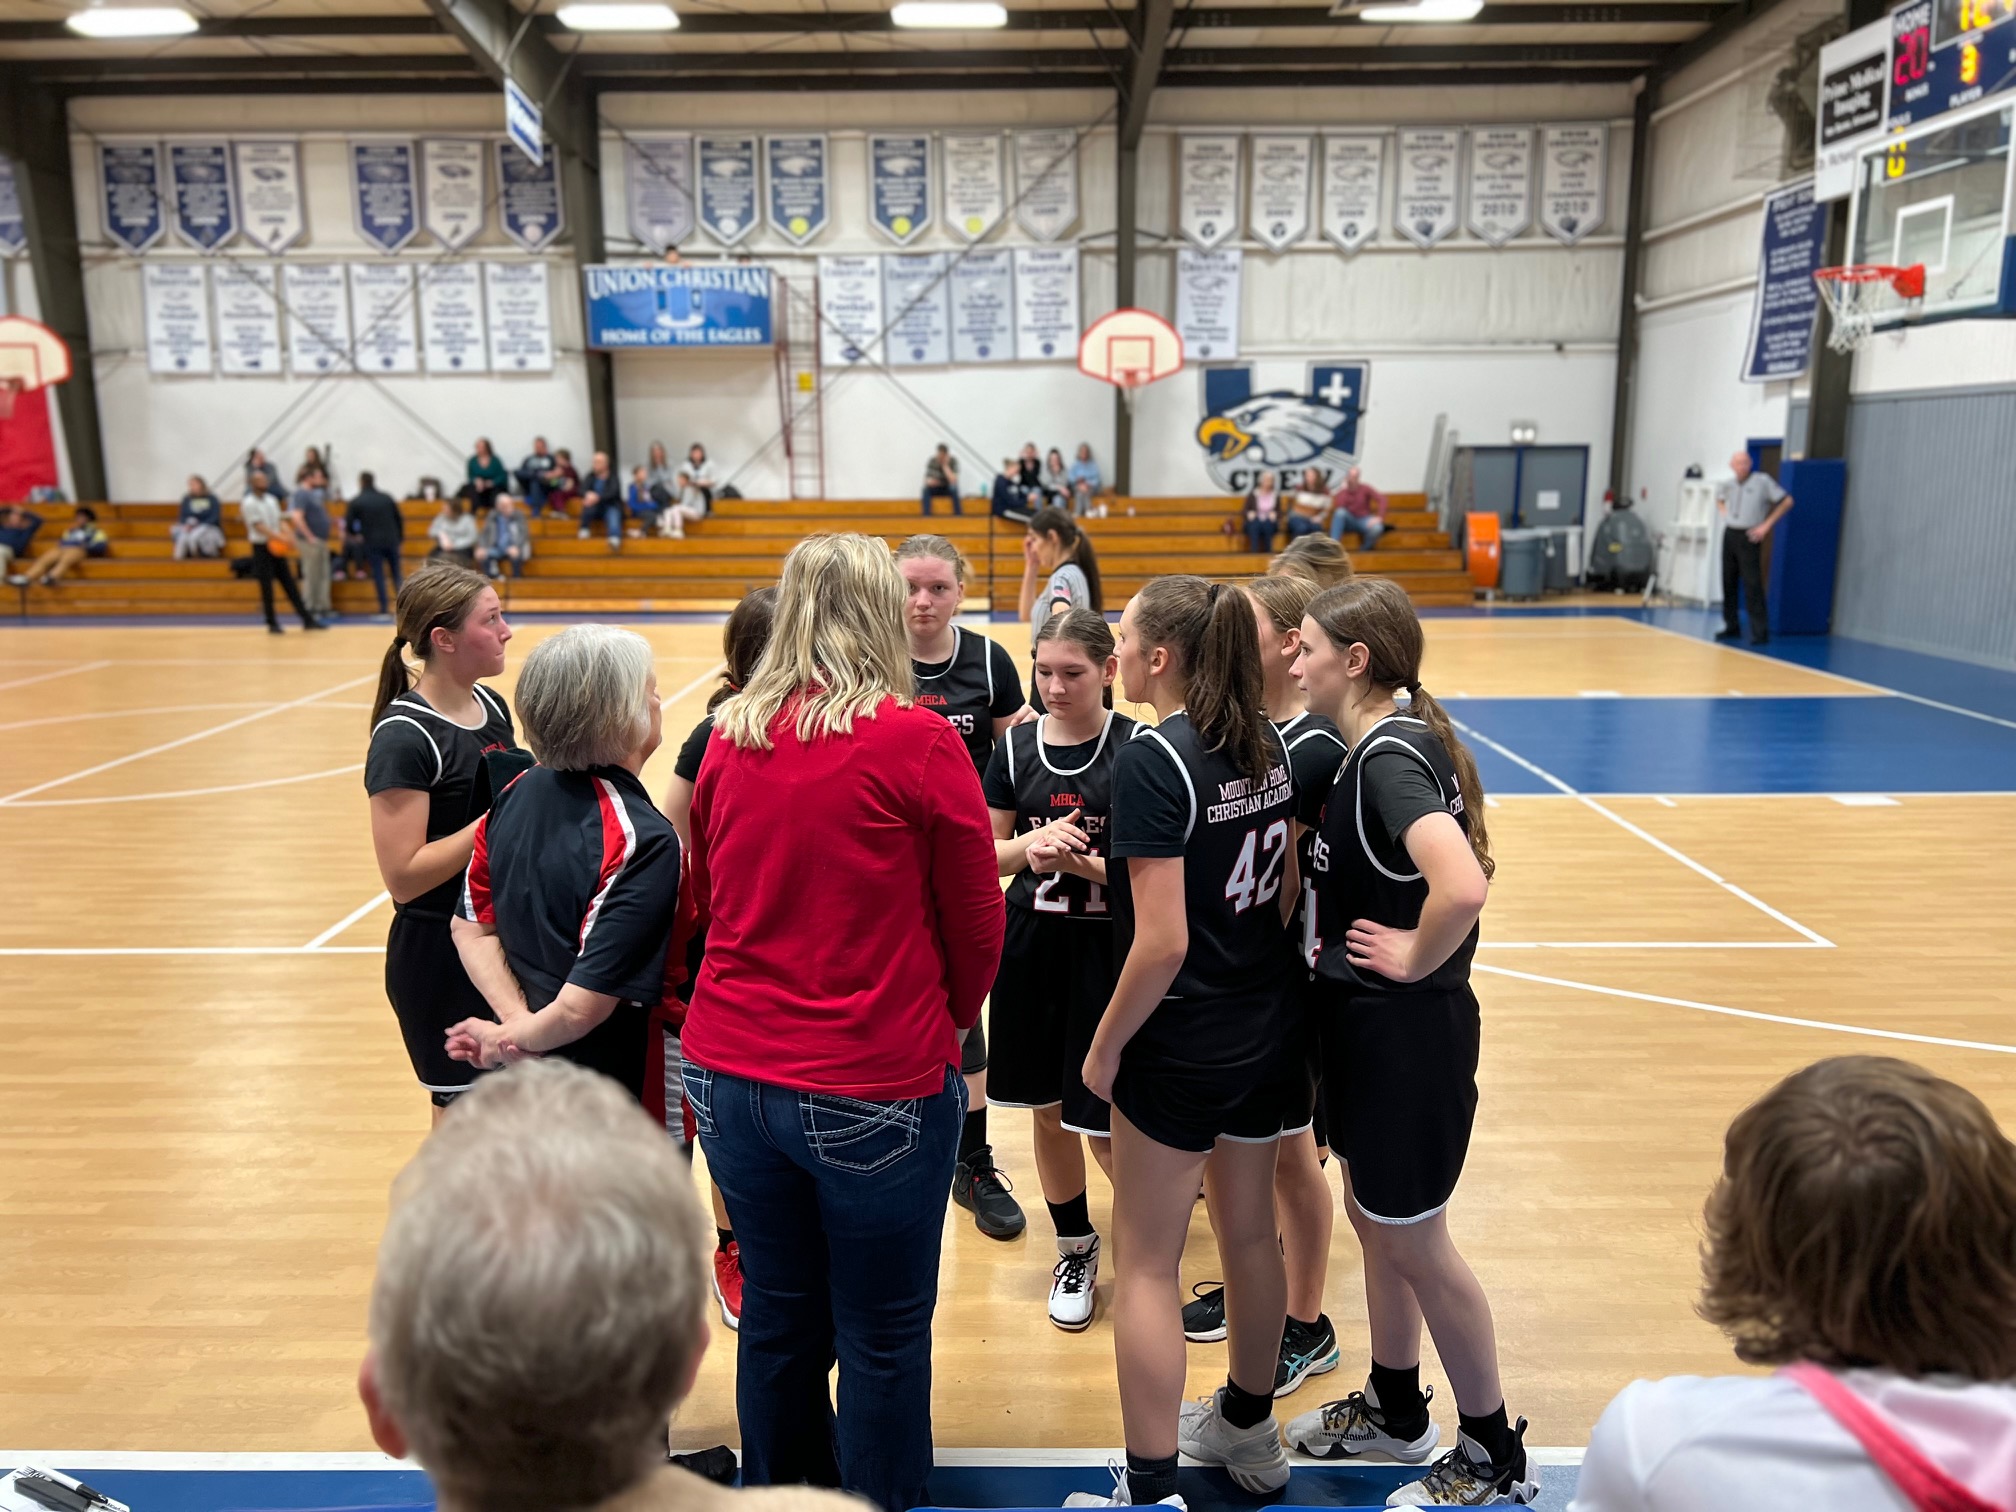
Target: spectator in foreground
x: 1083, y: 479
x: 272, y: 538
x: 374, y: 523
x: 18, y: 524
x: 454, y: 532
x: 941, y: 478
x: 85, y: 538
x: 505, y: 540
x: 1862, y: 1239
x: 602, y: 499
x: 1358, y: 509
x: 309, y: 509
x: 1262, y: 515
x: 486, y: 476
x: 540, y: 1373
x: 198, y: 530
x: 532, y: 474
x: 696, y: 492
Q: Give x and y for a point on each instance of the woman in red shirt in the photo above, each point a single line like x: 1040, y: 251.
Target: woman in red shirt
x: 843, y: 865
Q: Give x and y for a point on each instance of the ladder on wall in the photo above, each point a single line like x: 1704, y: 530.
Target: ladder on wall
x: 798, y: 401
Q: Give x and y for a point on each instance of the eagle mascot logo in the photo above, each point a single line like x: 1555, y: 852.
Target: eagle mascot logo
x: 1244, y: 433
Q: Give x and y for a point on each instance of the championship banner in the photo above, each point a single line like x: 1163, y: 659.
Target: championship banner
x: 689, y: 305
x: 451, y: 318
x: 176, y: 296
x: 1782, y: 311
x: 1354, y: 185
x: 199, y: 181
x: 983, y: 307
x: 728, y: 187
x: 13, y: 225
x: 899, y: 186
x: 1046, y: 182
x: 1046, y: 303
x: 1207, y: 187
x: 1501, y: 182
x: 917, y: 303
x: 1207, y: 302
x: 381, y: 318
x: 132, y: 205
x: 269, y: 192
x: 1574, y: 180
x: 658, y: 179
x: 976, y: 182
x: 1277, y: 205
x: 796, y: 197
x: 248, y: 319
x: 1424, y: 209
x: 850, y: 309
x: 451, y: 182
x: 318, y: 316
x: 520, y: 306
x: 383, y: 193
x: 528, y: 197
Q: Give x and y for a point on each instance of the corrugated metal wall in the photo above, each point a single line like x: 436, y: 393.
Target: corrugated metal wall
x: 1928, y: 546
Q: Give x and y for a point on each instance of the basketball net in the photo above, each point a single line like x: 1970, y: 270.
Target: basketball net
x: 1127, y: 380
x: 1859, y: 294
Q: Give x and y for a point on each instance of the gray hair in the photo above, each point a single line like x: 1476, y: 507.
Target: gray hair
x: 542, y: 1292
x: 584, y: 696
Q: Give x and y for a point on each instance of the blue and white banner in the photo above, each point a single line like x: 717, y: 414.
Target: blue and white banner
x: 728, y: 187
x: 797, y: 195
x: 524, y: 123
x: 381, y: 317
x: 248, y: 319
x: 850, y: 310
x: 1574, y: 180
x: 205, y: 208
x: 133, y: 207
x: 690, y: 305
x: 1501, y: 182
x: 269, y: 192
x: 1424, y: 204
x: 176, y: 296
x: 1781, y: 313
x: 528, y: 197
x: 659, y: 187
x: 1354, y: 187
x: 318, y: 317
x: 976, y: 182
x: 983, y: 307
x: 13, y: 227
x: 384, y: 193
x: 1046, y: 303
x: 1246, y: 430
x: 917, y: 295
x: 1207, y: 186
x: 1046, y: 182
x: 451, y: 180
x: 1277, y: 206
x: 521, y: 317
x: 899, y: 186
x: 451, y: 318
x: 1207, y: 302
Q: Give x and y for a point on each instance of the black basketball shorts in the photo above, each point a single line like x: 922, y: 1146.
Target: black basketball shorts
x: 1400, y: 1082
x: 430, y: 994
x: 1055, y: 979
x: 1185, y: 1083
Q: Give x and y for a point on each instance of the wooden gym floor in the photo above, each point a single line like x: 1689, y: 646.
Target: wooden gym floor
x: 1708, y: 878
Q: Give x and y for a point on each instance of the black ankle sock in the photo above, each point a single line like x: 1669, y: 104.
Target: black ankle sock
x: 1149, y: 1480
x: 1492, y: 1432
x: 1399, y: 1393
x: 1071, y: 1219
x: 973, y: 1133
x: 723, y: 1238
x: 1243, y: 1408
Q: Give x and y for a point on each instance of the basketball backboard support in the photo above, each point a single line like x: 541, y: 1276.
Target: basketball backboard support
x: 1130, y: 348
x: 1938, y: 194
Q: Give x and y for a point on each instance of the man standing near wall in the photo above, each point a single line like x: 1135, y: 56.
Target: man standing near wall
x: 310, y: 508
x: 1751, y: 504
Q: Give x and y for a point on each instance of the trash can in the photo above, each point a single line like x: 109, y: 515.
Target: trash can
x: 1525, y: 570
x: 1559, y: 572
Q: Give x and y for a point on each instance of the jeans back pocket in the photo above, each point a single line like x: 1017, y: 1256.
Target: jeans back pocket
x: 698, y: 1083
x: 849, y: 1134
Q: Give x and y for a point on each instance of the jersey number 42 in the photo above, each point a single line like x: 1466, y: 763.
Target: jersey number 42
x: 1244, y: 887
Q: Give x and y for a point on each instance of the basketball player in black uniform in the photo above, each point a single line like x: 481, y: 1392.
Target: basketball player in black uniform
x: 1049, y: 786
x: 1200, y: 1047
x: 972, y: 681
x: 1402, y: 871
x: 426, y: 776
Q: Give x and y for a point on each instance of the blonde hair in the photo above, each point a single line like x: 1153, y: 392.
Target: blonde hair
x: 837, y: 648
x: 1285, y: 598
x: 1314, y: 558
x: 935, y: 546
x: 584, y: 696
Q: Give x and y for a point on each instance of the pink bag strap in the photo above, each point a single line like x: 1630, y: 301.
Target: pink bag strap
x: 1924, y: 1484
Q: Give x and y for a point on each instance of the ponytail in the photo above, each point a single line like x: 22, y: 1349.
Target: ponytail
x: 438, y: 596
x: 1050, y: 520
x: 1432, y: 714
x: 1208, y: 628
x: 394, y: 681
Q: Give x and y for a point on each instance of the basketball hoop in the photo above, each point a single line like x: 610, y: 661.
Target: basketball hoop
x: 1130, y: 349
x: 31, y: 357
x: 9, y: 387
x: 1862, y: 293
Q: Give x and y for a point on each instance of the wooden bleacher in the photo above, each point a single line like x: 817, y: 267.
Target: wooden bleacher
x: 739, y: 547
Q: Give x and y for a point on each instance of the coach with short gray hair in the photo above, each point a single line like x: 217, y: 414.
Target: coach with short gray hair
x: 1752, y: 504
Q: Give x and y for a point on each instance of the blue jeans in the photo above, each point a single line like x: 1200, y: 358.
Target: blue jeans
x: 932, y: 491
x: 1300, y: 525
x: 378, y: 559
x: 1368, y: 528
x: 839, y: 1208
x: 611, y: 514
x: 1260, y: 532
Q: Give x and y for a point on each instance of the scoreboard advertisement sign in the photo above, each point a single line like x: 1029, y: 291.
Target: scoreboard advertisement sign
x: 1948, y: 53
x: 1854, y: 103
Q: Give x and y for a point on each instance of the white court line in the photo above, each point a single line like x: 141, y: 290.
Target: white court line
x: 1651, y: 945
x: 205, y: 792
x: 1650, y: 839
x: 202, y: 708
x: 719, y: 668
x: 1810, y: 796
x: 72, y: 951
x: 42, y: 677
x: 345, y: 922
x: 1751, y: 1013
x: 233, y: 724
x: 1663, y: 801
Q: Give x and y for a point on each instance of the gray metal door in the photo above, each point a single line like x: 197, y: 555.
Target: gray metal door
x: 1552, y: 483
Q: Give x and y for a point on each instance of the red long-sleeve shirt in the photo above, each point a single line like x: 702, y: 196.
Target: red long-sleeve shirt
x: 853, y: 909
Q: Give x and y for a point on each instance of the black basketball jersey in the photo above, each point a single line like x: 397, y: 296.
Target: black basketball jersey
x: 1045, y: 782
x: 416, y: 746
x: 1172, y: 797
x: 1315, y: 751
x: 975, y: 686
x: 1399, y: 772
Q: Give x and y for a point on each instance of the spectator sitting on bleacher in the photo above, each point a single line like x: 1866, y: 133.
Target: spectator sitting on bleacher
x: 563, y: 484
x: 84, y: 538
x: 640, y: 503
x: 374, y: 523
x: 540, y: 1308
x: 660, y: 476
x: 1011, y: 500
x: 1360, y: 510
x: 1262, y: 514
x: 1056, y: 479
x: 941, y: 478
x: 1308, y: 506
x: 199, y: 524
x: 486, y: 476
x: 454, y: 532
x: 1029, y: 468
x: 1862, y: 1239
x: 505, y: 541
x: 18, y: 525
x: 696, y: 492
x: 1083, y: 478
x: 602, y: 499
x: 532, y: 474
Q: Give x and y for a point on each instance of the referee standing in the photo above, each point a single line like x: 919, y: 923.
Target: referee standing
x: 1752, y: 504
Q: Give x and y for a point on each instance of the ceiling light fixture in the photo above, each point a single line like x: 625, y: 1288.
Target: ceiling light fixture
x: 1423, y: 11
x: 949, y: 15
x: 115, y: 21
x: 618, y: 18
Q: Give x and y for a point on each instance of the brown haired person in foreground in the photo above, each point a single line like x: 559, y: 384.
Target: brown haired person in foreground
x: 540, y: 1307
x: 1862, y: 1239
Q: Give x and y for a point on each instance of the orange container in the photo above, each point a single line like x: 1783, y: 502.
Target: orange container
x: 1485, y: 549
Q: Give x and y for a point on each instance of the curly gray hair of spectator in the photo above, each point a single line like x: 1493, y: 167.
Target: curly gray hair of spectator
x: 584, y: 697
x: 541, y: 1299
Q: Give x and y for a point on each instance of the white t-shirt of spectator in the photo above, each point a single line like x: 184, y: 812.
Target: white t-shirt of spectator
x: 694, y: 477
x: 1067, y: 586
x: 261, y: 514
x: 1765, y: 1444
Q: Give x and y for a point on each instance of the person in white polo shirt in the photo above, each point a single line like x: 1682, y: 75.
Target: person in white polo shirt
x: 1752, y: 504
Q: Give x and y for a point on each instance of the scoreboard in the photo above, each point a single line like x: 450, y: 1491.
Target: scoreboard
x: 1949, y: 53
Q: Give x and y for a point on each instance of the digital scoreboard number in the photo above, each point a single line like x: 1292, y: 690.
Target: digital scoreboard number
x: 1949, y: 53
